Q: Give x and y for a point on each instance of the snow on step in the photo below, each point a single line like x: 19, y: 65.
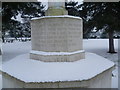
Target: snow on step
x: 55, y: 53
x: 28, y: 70
x: 56, y: 16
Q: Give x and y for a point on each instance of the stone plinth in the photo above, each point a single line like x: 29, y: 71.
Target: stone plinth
x: 57, y: 39
x: 87, y: 73
x: 102, y: 80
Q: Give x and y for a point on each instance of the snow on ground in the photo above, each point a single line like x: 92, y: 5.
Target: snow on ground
x: 99, y: 47
x: 115, y: 78
x: 0, y: 82
x: 11, y: 50
x: 0, y: 73
x: 0, y: 62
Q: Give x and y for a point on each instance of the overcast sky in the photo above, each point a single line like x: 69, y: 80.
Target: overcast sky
x: 59, y: 0
x: 45, y: 2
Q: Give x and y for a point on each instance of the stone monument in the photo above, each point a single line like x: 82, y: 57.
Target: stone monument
x: 57, y: 38
x: 57, y: 58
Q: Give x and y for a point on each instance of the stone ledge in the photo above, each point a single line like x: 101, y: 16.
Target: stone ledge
x: 102, y: 80
x: 29, y: 70
x: 58, y: 58
x: 59, y: 16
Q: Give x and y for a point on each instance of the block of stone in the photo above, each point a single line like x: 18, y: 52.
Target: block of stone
x: 57, y: 34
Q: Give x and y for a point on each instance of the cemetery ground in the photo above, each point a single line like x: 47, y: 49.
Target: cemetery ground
x: 98, y: 46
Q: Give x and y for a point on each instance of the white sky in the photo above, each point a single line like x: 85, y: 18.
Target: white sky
x: 59, y: 0
x: 45, y: 2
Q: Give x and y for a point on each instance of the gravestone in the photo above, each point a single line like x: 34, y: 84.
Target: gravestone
x: 57, y: 38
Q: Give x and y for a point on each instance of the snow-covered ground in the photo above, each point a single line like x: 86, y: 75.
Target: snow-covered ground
x: 98, y: 46
x: 0, y: 73
x: 0, y: 81
x: 11, y: 50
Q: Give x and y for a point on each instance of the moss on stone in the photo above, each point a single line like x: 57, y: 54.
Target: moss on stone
x: 56, y: 11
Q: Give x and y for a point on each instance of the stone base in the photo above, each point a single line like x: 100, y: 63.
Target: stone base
x: 58, y: 58
x: 57, y: 34
x: 86, y: 73
x: 102, y: 80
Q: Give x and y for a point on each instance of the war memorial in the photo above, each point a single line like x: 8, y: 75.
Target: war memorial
x: 57, y: 58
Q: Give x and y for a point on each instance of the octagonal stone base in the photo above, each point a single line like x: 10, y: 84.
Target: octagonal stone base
x: 103, y: 80
x: 22, y: 72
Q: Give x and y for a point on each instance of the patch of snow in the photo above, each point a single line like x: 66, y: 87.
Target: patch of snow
x: 55, y: 53
x: 11, y: 50
x: 56, y: 71
x: 100, y: 47
x: 0, y: 62
x: 115, y: 78
x: 57, y: 16
x: 18, y: 18
x: 0, y: 82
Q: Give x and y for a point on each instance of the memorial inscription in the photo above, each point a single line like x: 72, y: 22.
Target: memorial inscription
x: 57, y: 38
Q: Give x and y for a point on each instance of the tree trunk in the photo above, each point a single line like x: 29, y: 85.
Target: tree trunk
x: 111, y: 42
x: 3, y: 39
x: 0, y: 52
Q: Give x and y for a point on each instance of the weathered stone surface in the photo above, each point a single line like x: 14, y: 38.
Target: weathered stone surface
x: 57, y: 34
x: 102, y: 80
x: 58, y: 58
x: 56, y: 7
x: 56, y: 11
